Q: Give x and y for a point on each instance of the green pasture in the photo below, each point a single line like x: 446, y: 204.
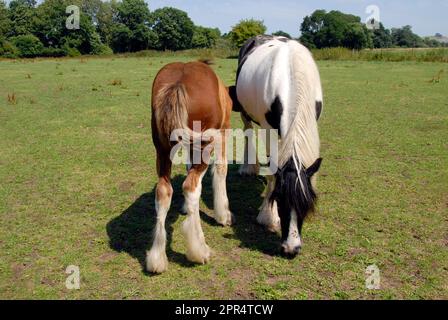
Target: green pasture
x: 77, y: 178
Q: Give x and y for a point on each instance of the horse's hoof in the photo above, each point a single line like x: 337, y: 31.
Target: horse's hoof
x: 200, y: 257
x: 156, y: 263
x: 228, y: 221
x: 266, y: 220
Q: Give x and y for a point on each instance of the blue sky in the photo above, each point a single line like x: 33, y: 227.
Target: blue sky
x: 426, y: 16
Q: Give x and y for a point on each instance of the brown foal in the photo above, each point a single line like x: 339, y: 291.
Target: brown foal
x: 184, y: 94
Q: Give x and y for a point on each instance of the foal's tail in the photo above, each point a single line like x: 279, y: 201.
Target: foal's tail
x: 170, y: 110
x: 171, y: 115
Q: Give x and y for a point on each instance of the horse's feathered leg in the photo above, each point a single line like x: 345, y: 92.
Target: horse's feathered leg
x: 220, y: 200
x: 268, y: 215
x: 249, y: 169
x: 197, y: 249
x: 156, y: 259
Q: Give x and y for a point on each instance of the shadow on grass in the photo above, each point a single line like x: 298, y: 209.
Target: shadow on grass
x: 245, y: 197
x: 132, y: 231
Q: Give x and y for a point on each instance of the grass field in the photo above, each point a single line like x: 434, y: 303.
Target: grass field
x: 77, y: 175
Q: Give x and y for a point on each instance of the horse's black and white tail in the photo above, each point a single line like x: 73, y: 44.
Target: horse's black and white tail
x: 300, y: 146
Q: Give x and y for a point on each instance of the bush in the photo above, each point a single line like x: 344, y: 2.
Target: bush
x: 389, y: 55
x: 71, y: 52
x: 102, y: 50
x: 224, y: 48
x: 98, y: 48
x: 28, y: 45
x: 205, y: 37
x: 53, y: 52
x: 7, y: 49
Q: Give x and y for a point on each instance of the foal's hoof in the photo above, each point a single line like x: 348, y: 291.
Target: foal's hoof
x: 156, y: 262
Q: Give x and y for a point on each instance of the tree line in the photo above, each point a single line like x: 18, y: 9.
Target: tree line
x: 336, y: 29
x: 30, y: 30
x: 112, y: 26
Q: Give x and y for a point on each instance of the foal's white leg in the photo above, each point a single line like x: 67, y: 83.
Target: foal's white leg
x: 184, y: 206
x: 249, y: 169
x: 220, y: 200
x: 156, y: 259
x: 197, y: 250
x: 268, y: 216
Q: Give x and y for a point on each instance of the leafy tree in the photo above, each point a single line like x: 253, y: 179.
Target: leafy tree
x: 174, y: 29
x: 5, y: 22
x: 51, y: 29
x: 404, y: 37
x: 134, y: 20
x: 311, y: 26
x: 382, y: 37
x: 143, y: 38
x: 245, y: 30
x: 91, y: 9
x: 121, y: 38
x: 334, y: 29
x: 28, y: 45
x: 431, y: 42
x: 205, y: 37
x: 22, y: 17
x: 133, y: 13
x: 282, y: 34
x: 357, y: 37
x: 107, y: 17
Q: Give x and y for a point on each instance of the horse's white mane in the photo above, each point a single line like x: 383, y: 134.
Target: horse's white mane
x: 302, y: 139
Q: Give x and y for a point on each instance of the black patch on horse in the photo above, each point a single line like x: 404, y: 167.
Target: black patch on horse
x: 274, y: 116
x: 318, y: 109
x: 289, y: 194
x: 236, y: 105
x: 248, y: 117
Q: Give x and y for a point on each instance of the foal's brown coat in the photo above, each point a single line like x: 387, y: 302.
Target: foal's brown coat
x: 182, y: 94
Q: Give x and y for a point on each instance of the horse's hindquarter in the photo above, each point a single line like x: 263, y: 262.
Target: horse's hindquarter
x: 271, y: 78
x: 203, y: 88
x: 264, y: 77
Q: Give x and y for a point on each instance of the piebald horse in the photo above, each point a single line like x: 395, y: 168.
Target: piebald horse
x: 278, y: 87
x: 183, y: 94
